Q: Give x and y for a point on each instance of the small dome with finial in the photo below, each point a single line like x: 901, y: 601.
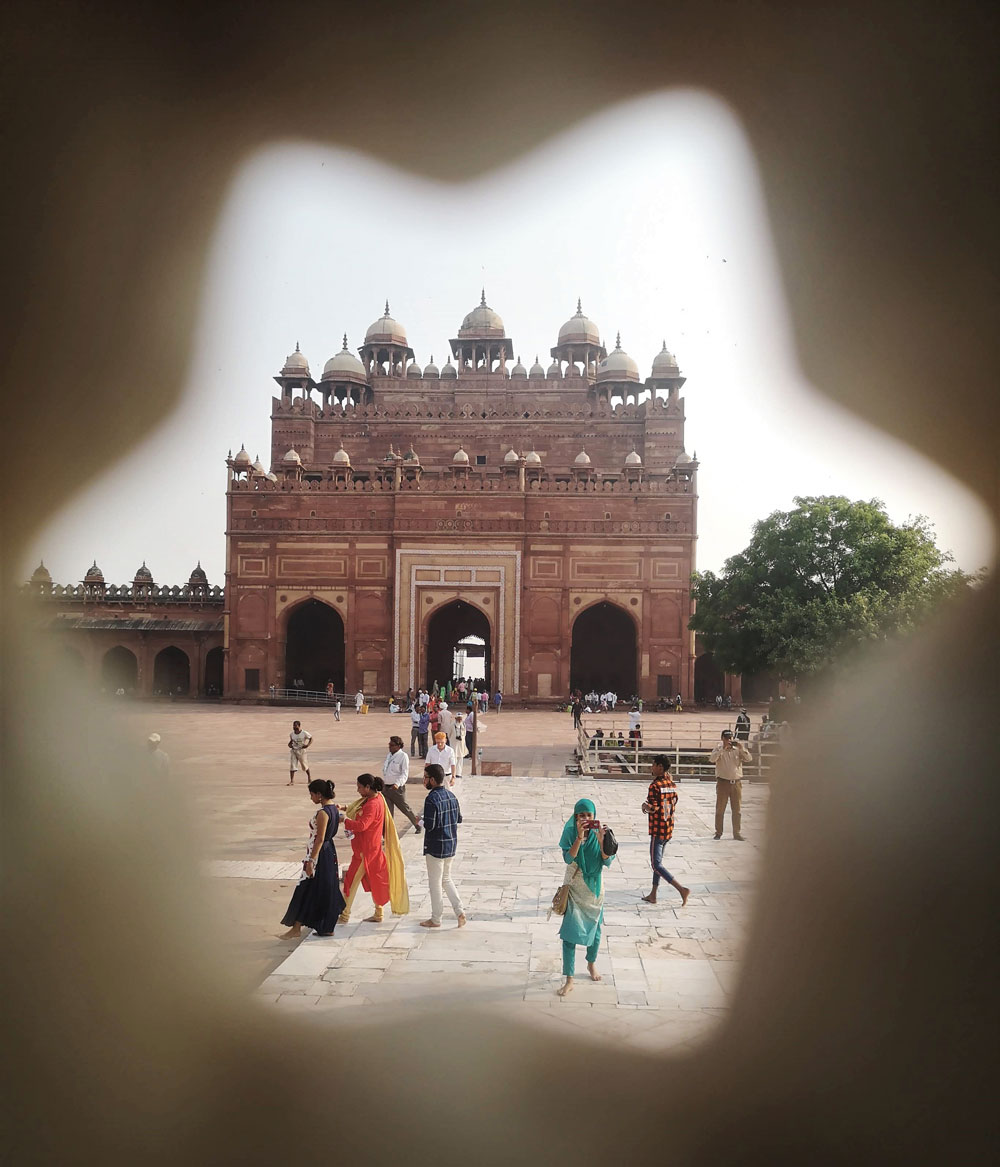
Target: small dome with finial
x: 293, y: 457
x: 683, y: 458
x: 618, y: 365
x: 519, y: 370
x: 665, y: 363
x: 432, y: 370
x: 461, y: 458
x: 449, y: 370
x: 482, y: 321
x: 385, y: 330
x: 414, y: 370
x: 582, y: 459
x: 555, y: 371
x: 242, y: 458
x: 579, y: 330
x: 633, y: 459
x: 41, y: 574
x: 258, y: 467
x: 295, y: 364
x: 533, y: 457
x: 342, y: 458
x: 94, y: 574
x: 510, y: 456
x: 345, y: 366
x: 536, y: 369
x: 198, y: 576
x: 143, y: 574
x: 411, y: 456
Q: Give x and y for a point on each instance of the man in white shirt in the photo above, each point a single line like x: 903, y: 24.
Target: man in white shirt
x: 299, y: 740
x: 359, y: 700
x: 443, y: 755
x: 395, y: 772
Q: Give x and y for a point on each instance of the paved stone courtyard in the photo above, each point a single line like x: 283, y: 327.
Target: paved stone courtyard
x: 667, y: 972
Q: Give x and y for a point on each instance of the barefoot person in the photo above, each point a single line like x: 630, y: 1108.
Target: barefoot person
x: 582, y: 844
x: 661, y: 799
x: 376, y: 862
x: 316, y: 902
x: 441, y: 817
x: 299, y: 742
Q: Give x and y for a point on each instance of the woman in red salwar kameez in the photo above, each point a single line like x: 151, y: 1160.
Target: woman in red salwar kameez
x: 368, y: 863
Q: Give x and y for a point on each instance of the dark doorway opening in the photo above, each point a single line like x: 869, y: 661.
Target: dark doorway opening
x: 314, y: 648
x: 119, y: 670
x: 603, y: 652
x: 213, y: 672
x: 447, y: 627
x: 709, y: 679
x: 172, y: 673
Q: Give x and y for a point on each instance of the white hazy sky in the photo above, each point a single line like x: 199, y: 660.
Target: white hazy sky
x: 651, y: 212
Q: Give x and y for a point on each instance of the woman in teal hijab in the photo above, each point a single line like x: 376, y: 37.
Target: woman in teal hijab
x: 583, y: 850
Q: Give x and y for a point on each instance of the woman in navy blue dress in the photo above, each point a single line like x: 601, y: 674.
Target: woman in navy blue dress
x: 317, y: 900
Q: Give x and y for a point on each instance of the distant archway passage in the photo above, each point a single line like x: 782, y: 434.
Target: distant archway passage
x: 119, y: 670
x: 445, y: 629
x: 709, y: 679
x: 314, y: 647
x: 603, y: 651
x: 172, y: 672
x: 213, y: 672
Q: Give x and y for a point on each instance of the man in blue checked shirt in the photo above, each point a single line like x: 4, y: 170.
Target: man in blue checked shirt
x: 440, y: 820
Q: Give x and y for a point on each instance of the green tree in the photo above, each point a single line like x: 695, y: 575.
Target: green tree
x: 818, y: 581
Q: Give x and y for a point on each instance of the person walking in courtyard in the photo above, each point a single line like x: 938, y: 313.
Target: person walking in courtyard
x: 376, y: 861
x: 440, y: 819
x: 317, y: 901
x: 359, y: 701
x: 497, y: 701
x: 395, y: 772
x: 414, y: 731
x: 582, y: 844
x: 742, y: 725
x: 441, y: 754
x: 157, y: 759
x: 577, y: 708
x: 661, y: 800
x: 299, y: 742
x: 336, y: 709
x: 728, y: 758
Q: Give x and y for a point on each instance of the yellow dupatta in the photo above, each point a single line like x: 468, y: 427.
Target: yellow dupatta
x: 399, y: 893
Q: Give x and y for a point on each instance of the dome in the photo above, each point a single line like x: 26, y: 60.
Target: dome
x: 633, y: 459
x: 510, y: 456
x: 271, y: 477
x: 432, y: 370
x: 618, y: 365
x: 536, y: 368
x: 582, y: 459
x: 555, y: 370
x: 683, y: 459
x: 293, y: 456
x: 258, y: 467
x: 198, y: 576
x: 414, y: 370
x: 41, y: 574
x: 665, y: 363
x: 242, y: 458
x: 143, y: 575
x: 519, y: 370
x: 579, y: 330
x: 449, y: 370
x: 385, y: 330
x: 461, y: 458
x: 341, y: 458
x: 345, y: 366
x: 94, y: 574
x: 482, y: 321
x: 411, y: 456
x: 533, y: 458
x: 295, y: 364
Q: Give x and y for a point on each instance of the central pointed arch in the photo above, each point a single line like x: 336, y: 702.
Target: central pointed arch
x: 447, y: 627
x: 314, y: 647
x: 603, y: 652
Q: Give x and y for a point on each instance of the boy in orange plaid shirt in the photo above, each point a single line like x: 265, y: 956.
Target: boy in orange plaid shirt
x: 661, y: 800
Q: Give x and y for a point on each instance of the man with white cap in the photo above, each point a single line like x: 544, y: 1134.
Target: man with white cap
x: 159, y: 762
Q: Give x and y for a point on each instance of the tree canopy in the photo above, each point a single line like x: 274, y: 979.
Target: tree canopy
x: 817, y: 581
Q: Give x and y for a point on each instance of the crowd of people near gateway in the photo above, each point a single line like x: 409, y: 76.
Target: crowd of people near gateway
x: 322, y: 899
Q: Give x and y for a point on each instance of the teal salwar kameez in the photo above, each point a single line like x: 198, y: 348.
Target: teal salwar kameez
x: 585, y: 876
